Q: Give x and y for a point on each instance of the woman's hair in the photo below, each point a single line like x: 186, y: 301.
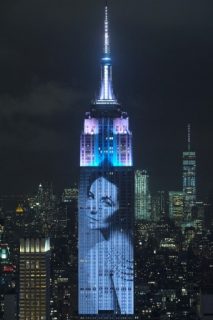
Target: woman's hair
x: 121, y: 219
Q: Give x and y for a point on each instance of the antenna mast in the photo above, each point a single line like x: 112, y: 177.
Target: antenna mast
x: 189, y: 137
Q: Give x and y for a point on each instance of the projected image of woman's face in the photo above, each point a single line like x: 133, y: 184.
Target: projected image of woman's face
x: 102, y: 202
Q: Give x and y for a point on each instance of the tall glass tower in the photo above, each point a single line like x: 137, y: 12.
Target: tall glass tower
x: 106, y: 204
x: 189, y: 178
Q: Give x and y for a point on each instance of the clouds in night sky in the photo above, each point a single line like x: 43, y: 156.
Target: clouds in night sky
x: 31, y: 118
x: 49, y: 72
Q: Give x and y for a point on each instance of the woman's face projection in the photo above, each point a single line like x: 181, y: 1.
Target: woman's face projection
x: 102, y: 202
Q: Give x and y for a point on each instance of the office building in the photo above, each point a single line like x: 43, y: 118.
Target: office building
x: 159, y: 206
x: 176, y: 206
x: 189, y: 179
x: 142, y: 196
x: 70, y: 195
x: 34, y: 285
x: 106, y: 204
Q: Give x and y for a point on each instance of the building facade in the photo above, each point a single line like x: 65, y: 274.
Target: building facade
x: 8, y: 287
x: 106, y: 204
x: 176, y: 206
x: 189, y: 179
x: 34, y: 285
x: 142, y: 196
x: 159, y: 205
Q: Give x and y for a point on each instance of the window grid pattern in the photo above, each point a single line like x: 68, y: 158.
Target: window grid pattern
x: 106, y: 139
x: 189, y: 182
x: 34, y: 280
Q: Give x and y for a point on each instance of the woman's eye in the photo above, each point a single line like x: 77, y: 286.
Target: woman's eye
x: 107, y: 201
x: 90, y: 195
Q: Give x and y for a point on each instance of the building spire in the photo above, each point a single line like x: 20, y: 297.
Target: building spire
x: 106, y: 31
x: 106, y: 95
x: 189, y: 137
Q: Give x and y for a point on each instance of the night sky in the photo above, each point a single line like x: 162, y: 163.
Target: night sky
x: 49, y: 72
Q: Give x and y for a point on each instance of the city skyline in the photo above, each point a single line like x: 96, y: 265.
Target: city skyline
x: 104, y: 211
x: 45, y: 87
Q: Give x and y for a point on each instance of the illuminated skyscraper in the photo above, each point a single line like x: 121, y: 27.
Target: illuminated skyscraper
x: 189, y: 178
x: 34, y: 286
x: 106, y: 204
x: 159, y: 206
x: 142, y: 196
x: 176, y: 206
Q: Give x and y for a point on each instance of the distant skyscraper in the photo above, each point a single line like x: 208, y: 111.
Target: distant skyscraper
x: 45, y: 197
x: 176, y: 206
x: 189, y: 178
x: 159, y: 205
x: 106, y: 204
x: 34, y: 286
x: 70, y: 195
x: 142, y: 196
x: 40, y: 195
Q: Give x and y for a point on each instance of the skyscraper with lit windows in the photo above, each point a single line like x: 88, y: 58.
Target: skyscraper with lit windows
x: 106, y: 204
x: 142, y: 196
x: 189, y: 178
x: 34, y: 283
x: 176, y: 206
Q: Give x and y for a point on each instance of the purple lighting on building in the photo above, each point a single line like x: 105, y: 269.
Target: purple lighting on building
x: 115, y: 147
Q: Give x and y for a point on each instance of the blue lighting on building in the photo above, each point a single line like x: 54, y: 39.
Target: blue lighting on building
x: 106, y: 202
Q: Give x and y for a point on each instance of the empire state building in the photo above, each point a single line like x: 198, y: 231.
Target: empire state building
x: 106, y: 204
